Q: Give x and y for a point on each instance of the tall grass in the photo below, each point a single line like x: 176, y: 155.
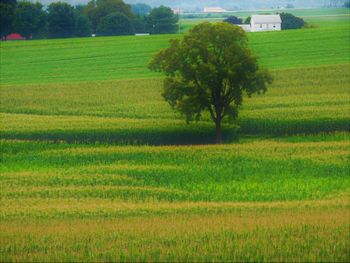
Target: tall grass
x: 301, y: 101
x: 268, y: 170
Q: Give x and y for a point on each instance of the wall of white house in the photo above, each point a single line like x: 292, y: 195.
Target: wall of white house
x: 265, y: 27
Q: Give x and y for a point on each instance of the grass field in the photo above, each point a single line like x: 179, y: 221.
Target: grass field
x: 96, y: 167
x: 110, y: 58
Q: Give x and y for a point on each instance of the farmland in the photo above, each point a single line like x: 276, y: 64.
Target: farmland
x: 95, y: 166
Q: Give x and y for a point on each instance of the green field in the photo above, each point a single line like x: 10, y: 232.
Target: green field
x: 95, y: 166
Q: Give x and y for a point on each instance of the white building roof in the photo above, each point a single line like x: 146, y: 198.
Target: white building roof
x: 266, y: 19
x: 214, y: 10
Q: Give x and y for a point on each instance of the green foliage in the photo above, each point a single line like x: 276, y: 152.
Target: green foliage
x: 233, y: 20
x: 209, y: 70
x: 30, y: 18
x: 162, y: 20
x: 139, y: 24
x: 61, y: 20
x: 247, y: 20
x: 83, y: 26
x: 115, y: 24
x: 7, y: 17
x: 263, y: 170
x: 98, y: 9
x: 141, y: 9
x: 290, y: 21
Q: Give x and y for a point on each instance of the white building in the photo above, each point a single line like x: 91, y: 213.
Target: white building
x: 245, y: 27
x: 214, y: 10
x: 265, y: 23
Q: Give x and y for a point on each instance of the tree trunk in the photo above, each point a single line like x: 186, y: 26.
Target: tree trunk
x: 218, y: 131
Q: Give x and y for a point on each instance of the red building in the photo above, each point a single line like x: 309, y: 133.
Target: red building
x: 15, y: 36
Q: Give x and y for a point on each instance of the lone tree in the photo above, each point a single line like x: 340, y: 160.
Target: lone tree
x: 209, y: 70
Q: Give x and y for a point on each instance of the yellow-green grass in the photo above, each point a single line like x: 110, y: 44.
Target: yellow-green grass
x: 71, y: 190
x: 266, y: 170
x: 110, y: 58
x: 267, y: 200
x: 288, y: 232
x: 307, y: 100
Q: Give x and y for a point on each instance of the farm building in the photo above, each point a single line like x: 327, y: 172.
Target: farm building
x: 265, y: 23
x: 15, y: 36
x: 214, y: 10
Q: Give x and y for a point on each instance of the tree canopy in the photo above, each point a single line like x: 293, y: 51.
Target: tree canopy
x: 61, y: 20
x: 141, y: 9
x: 115, y: 24
x: 7, y: 17
x: 162, y: 20
x: 210, y: 69
x: 98, y: 9
x: 30, y: 18
x: 290, y: 21
x: 233, y: 20
x: 83, y: 26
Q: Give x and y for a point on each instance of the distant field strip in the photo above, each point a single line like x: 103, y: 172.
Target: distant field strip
x: 110, y: 58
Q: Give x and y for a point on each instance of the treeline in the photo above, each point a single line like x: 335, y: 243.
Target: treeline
x: 99, y: 17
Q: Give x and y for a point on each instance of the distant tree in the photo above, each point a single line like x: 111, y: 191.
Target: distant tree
x: 115, y: 24
x: 7, y: 17
x: 209, y: 70
x: 247, y: 20
x: 98, y: 9
x: 80, y: 8
x: 162, y: 20
x: 347, y: 4
x: 233, y: 20
x: 139, y: 24
x: 141, y: 9
x: 61, y: 20
x: 30, y: 18
x: 83, y: 25
x: 290, y: 21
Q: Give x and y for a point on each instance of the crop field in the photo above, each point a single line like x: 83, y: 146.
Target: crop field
x: 111, y: 58
x: 95, y: 166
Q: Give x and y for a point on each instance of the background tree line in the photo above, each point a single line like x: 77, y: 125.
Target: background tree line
x: 100, y: 17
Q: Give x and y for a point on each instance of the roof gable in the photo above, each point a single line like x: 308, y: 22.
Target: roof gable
x: 266, y: 19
